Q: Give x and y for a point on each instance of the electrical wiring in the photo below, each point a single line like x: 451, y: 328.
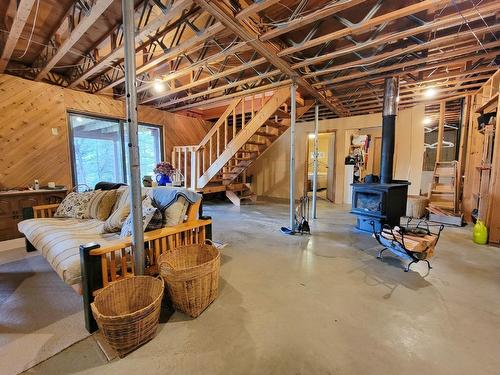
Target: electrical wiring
x: 32, y: 30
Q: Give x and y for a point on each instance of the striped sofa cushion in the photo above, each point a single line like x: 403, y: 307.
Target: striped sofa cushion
x: 59, y: 240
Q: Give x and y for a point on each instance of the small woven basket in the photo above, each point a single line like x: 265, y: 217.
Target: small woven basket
x: 127, y: 312
x: 192, y: 277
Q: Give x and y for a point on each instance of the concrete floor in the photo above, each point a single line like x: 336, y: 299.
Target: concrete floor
x: 323, y: 305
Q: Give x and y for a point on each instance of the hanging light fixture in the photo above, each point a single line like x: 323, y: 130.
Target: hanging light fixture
x: 430, y: 93
x: 158, y: 85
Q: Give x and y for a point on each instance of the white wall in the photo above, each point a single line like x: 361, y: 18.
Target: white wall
x: 271, y: 171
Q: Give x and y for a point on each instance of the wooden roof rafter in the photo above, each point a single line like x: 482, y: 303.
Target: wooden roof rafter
x: 24, y: 8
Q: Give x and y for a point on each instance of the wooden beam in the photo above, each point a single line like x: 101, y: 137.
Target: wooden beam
x: 368, y: 25
x: 220, y: 88
x: 217, y: 57
x: 22, y: 15
x: 255, y: 8
x: 269, y: 87
x: 86, y: 23
x: 193, y: 42
x: 442, y: 110
x: 210, y: 78
x: 268, y: 51
x: 176, y: 10
x: 310, y: 18
x: 438, y: 58
x: 442, y: 41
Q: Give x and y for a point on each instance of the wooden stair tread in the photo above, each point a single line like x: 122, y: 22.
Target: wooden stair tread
x: 256, y: 143
x: 282, y: 113
x: 264, y: 134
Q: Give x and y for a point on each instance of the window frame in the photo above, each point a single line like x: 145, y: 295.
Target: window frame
x: 121, y: 125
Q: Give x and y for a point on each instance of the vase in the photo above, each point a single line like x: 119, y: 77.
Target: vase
x: 163, y: 179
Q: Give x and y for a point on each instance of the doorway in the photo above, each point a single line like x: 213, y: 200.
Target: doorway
x: 326, y: 165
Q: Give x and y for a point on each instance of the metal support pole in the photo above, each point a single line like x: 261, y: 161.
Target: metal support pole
x: 315, y: 160
x: 133, y: 136
x: 293, y: 89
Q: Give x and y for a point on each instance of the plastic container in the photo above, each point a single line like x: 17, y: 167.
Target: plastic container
x: 480, y: 233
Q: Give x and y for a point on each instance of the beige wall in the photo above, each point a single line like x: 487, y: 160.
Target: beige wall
x: 30, y: 111
x: 271, y: 171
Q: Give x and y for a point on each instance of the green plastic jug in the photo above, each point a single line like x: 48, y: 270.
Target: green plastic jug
x: 480, y: 233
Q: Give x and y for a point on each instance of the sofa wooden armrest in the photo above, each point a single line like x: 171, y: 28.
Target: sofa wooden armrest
x: 46, y: 210
x: 104, y: 265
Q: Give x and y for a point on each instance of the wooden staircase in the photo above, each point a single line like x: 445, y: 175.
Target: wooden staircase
x: 248, y: 126
x: 443, y: 190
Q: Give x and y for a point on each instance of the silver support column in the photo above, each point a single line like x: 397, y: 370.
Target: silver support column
x: 315, y: 160
x: 293, y: 116
x: 134, y: 177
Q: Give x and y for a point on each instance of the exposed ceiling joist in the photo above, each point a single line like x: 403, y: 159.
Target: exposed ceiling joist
x: 268, y: 51
x: 85, y: 24
x: 23, y: 12
x: 176, y: 10
x: 310, y: 18
x: 368, y: 25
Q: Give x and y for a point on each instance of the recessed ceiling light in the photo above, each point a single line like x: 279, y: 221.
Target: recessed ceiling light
x: 431, y: 92
x: 158, y: 85
x: 427, y: 121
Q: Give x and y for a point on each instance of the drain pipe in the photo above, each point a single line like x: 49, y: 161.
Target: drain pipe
x: 293, y: 91
x: 315, y: 160
x: 390, y: 110
x: 133, y: 148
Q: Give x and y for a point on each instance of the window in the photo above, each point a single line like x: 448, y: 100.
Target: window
x: 99, y: 152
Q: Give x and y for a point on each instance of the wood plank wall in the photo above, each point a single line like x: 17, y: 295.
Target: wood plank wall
x: 31, y: 111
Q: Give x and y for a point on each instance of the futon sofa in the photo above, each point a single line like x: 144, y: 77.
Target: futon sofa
x: 87, y: 257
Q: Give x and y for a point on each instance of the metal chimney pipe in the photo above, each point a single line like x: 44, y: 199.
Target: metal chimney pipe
x: 390, y: 110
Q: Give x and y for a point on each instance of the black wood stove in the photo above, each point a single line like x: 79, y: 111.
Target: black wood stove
x: 376, y: 204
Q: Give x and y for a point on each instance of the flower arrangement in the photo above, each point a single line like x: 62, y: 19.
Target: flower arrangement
x: 164, y: 168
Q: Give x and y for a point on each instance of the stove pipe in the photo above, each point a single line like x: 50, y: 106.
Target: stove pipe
x: 391, y: 92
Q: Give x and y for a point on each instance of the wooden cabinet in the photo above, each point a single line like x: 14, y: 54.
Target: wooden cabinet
x: 15, y: 204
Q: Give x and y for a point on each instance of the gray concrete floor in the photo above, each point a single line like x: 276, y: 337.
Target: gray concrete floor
x: 323, y: 305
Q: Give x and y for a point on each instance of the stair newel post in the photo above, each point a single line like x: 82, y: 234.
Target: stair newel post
x: 193, y: 169
x: 293, y: 92
x: 197, y: 165
x: 218, y: 142
x: 225, y: 133
x: 210, y: 151
x: 315, y: 160
x: 243, y: 113
x: 234, y: 122
x: 179, y: 156
x: 185, y: 166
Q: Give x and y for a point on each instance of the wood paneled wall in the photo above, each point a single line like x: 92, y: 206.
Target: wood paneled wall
x: 34, y: 140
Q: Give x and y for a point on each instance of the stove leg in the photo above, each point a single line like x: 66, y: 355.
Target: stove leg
x: 409, y: 265
x: 379, y: 256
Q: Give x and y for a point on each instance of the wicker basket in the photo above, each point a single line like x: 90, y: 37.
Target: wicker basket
x: 192, y: 277
x: 127, y: 312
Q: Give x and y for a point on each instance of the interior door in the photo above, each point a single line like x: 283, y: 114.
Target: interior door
x: 330, y: 188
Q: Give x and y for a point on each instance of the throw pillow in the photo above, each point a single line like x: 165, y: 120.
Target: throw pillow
x: 101, y: 204
x: 148, y: 212
x: 74, y: 205
x: 115, y: 221
x: 176, y: 212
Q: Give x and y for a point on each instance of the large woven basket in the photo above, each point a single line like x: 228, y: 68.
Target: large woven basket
x: 192, y: 277
x: 127, y: 312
